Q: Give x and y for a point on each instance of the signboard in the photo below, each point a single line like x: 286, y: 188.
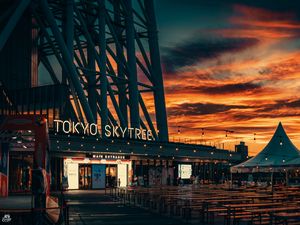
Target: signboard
x: 185, y: 171
x: 109, y: 157
x: 70, y: 127
x: 73, y: 179
x: 98, y: 176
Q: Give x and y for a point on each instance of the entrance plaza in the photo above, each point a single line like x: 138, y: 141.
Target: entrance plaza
x: 172, y: 205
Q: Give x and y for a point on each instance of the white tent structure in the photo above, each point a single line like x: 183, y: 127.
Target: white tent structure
x: 279, y: 154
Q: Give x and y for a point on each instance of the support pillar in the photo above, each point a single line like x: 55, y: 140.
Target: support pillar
x: 131, y: 62
x: 159, y: 96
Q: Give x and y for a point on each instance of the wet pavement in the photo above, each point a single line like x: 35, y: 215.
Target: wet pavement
x: 94, y: 207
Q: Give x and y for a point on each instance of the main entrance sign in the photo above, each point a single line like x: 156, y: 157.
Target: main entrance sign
x: 70, y: 127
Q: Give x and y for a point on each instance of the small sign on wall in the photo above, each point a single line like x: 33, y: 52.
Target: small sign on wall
x: 98, y: 176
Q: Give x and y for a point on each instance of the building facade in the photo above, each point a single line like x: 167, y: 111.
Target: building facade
x: 88, y: 67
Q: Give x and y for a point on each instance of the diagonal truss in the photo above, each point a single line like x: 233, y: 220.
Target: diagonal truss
x: 109, y: 56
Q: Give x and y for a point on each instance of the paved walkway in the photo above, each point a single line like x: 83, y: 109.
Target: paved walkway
x: 93, y: 207
x: 16, y: 202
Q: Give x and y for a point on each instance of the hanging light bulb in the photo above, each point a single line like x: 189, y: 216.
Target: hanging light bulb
x: 202, y: 132
x: 254, y: 137
x: 178, y: 130
x: 280, y: 141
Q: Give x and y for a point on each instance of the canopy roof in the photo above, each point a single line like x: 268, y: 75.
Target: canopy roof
x: 279, y: 152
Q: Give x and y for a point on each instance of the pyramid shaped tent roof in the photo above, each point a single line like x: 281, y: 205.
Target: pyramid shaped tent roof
x: 277, y: 153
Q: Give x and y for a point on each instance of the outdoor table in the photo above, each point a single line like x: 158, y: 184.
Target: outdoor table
x: 232, y: 208
x: 285, y: 216
x: 270, y: 211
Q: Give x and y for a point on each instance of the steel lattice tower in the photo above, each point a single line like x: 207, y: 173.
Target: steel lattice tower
x: 106, y: 51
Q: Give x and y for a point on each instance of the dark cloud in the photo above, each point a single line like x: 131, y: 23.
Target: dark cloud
x: 218, y: 90
x: 198, y: 50
x: 263, y: 111
x: 280, y: 104
x: 196, y: 109
x: 249, y: 116
x: 231, y: 88
x: 280, y: 5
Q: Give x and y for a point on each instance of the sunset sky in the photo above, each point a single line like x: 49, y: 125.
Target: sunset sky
x: 231, y: 66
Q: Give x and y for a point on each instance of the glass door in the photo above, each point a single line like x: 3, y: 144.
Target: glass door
x: 85, y: 176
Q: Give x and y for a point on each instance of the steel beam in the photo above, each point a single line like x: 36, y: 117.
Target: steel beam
x: 159, y: 96
x: 90, y: 41
x: 131, y: 61
x: 69, y: 63
x: 12, y: 22
x: 102, y: 66
x: 68, y: 32
x: 120, y: 67
x: 91, y: 75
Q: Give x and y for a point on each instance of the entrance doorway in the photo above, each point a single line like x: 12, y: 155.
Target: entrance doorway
x: 85, y: 176
x: 111, y: 175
